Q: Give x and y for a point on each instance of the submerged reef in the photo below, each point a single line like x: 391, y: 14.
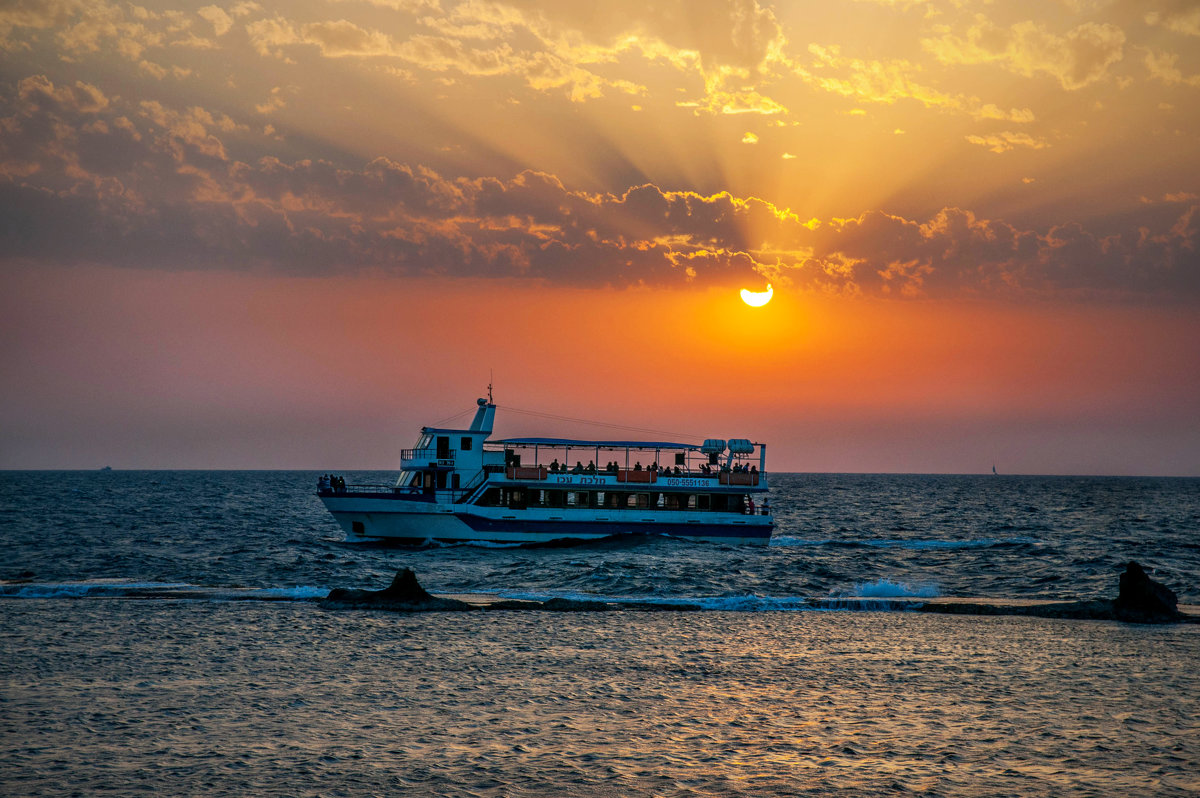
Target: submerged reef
x: 405, y: 594
x: 1140, y: 599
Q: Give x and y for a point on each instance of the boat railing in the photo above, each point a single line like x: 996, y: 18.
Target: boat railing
x: 477, y: 484
x: 631, y: 475
x: 359, y: 489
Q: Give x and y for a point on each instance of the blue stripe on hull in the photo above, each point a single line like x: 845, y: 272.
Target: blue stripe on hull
x: 571, y: 529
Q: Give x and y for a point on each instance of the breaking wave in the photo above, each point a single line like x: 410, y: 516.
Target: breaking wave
x: 886, y: 588
x: 156, y: 590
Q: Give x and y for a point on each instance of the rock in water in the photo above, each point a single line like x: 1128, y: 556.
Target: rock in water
x: 405, y: 594
x: 1142, y: 600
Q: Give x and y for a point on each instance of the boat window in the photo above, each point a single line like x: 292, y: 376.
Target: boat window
x: 643, y: 500
x: 465, y: 444
x: 702, y: 501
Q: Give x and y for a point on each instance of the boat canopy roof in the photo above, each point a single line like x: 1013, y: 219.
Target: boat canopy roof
x: 575, y: 444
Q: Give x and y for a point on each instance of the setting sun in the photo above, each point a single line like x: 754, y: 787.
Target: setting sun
x: 756, y: 299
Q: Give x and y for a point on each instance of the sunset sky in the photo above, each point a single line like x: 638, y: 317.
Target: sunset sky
x: 286, y: 235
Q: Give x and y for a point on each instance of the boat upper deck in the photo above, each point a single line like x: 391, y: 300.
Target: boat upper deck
x: 741, y: 463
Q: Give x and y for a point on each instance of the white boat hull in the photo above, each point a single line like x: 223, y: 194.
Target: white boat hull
x: 369, y: 518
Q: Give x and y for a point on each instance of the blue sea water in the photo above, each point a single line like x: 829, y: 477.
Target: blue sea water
x: 160, y: 636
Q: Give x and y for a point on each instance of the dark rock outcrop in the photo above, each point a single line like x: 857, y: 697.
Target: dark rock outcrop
x: 405, y: 594
x: 1142, y: 600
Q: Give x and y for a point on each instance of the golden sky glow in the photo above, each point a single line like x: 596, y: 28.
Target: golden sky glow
x: 924, y: 162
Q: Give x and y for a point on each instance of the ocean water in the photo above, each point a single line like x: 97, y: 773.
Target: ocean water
x: 160, y: 635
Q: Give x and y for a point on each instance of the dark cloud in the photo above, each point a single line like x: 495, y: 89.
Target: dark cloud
x: 86, y: 177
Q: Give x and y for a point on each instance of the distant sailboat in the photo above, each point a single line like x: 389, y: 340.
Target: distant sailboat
x: 994, y: 469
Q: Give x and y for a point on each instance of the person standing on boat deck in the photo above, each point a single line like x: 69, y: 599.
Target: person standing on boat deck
x: 750, y: 505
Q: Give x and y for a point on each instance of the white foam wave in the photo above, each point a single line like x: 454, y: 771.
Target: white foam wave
x: 784, y: 540
x: 753, y: 603
x: 84, y: 589
x: 163, y: 590
x: 299, y: 593
x: 886, y: 588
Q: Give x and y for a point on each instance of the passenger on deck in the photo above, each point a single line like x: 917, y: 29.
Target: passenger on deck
x: 554, y: 466
x: 753, y: 469
x: 578, y: 469
x: 677, y: 471
x: 637, y: 466
x: 654, y: 466
x: 591, y: 467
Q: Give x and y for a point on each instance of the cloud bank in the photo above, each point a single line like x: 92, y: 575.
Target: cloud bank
x: 92, y: 178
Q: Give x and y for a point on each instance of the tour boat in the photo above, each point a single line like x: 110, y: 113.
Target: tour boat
x: 458, y: 485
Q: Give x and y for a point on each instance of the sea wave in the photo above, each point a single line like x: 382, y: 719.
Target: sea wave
x: 886, y: 588
x: 102, y: 589
x: 157, y: 590
x: 901, y: 543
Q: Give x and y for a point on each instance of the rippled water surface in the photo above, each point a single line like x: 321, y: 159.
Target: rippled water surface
x: 159, y: 637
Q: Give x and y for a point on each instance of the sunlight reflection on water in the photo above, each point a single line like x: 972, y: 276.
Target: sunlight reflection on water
x: 231, y: 699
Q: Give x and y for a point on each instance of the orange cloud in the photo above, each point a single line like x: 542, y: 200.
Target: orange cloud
x: 149, y: 184
x: 1081, y: 56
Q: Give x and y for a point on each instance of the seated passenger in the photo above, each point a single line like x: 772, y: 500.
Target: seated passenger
x: 591, y: 467
x: 578, y: 469
x: 554, y: 466
x: 637, y: 466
